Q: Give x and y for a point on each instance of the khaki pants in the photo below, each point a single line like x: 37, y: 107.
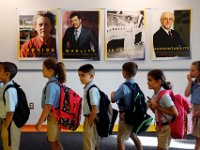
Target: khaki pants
x: 15, y: 134
x: 90, y: 136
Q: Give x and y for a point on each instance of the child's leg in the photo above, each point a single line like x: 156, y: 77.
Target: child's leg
x: 53, y: 133
x: 137, y: 141
x: 120, y: 145
x: 90, y: 136
x: 197, y: 144
x: 163, y: 137
x: 4, y: 135
x: 15, y: 136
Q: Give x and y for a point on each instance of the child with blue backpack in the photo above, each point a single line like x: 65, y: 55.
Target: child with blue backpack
x: 10, y: 133
x: 55, y: 73
x: 90, y: 136
x: 122, y: 96
x: 157, y: 82
x: 193, y: 89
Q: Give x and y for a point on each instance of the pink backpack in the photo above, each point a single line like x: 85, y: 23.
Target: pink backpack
x: 183, y: 106
x: 69, y: 113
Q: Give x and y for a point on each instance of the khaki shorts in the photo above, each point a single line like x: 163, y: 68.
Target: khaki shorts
x: 53, y: 129
x: 163, y: 136
x: 124, y: 130
x: 196, y: 122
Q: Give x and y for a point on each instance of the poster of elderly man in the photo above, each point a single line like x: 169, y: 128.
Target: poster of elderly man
x: 125, y: 35
x: 170, y: 34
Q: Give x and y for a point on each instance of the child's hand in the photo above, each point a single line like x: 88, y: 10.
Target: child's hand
x: 112, y: 96
x: 38, y: 126
x: 154, y: 104
x: 189, y: 77
x: 196, y: 114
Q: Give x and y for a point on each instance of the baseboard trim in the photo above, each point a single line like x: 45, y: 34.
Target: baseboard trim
x: 31, y: 128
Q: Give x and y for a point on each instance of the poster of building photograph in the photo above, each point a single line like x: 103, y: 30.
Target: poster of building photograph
x: 80, y: 34
x: 171, y: 34
x: 125, y: 35
x: 37, y: 34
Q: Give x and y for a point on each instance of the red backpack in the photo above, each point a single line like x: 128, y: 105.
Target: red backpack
x: 183, y: 106
x: 69, y: 114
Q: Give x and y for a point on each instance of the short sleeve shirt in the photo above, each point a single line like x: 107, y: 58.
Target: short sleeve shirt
x: 51, y: 93
x: 94, y: 98
x: 166, y: 102
x: 1, y: 84
x: 123, y: 96
x: 10, y: 99
x: 195, y: 93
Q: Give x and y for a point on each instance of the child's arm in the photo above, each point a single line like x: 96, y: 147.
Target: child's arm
x: 170, y: 111
x: 9, y: 116
x: 43, y: 116
x: 93, y: 114
x: 188, y: 87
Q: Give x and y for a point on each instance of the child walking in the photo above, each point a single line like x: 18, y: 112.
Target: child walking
x: 55, y: 73
x: 90, y: 136
x: 193, y: 89
x: 157, y: 82
x: 10, y: 133
x: 123, y: 98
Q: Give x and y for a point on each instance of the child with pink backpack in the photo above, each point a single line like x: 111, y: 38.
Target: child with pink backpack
x: 157, y: 82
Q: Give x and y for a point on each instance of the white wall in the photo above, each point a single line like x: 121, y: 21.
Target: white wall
x: 33, y: 82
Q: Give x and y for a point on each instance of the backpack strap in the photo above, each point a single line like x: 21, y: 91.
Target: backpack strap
x: 54, y: 110
x: 160, y: 94
x: 88, y: 96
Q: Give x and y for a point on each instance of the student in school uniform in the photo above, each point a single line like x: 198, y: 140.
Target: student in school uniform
x: 90, y: 136
x: 55, y: 73
x: 157, y: 82
x: 122, y: 96
x: 10, y: 133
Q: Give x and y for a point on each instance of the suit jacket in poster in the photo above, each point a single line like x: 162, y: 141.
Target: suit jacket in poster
x: 162, y: 40
x: 87, y: 36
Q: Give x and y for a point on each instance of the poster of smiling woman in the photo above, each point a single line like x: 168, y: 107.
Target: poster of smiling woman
x: 125, y: 35
x: 37, y: 34
x: 171, y: 34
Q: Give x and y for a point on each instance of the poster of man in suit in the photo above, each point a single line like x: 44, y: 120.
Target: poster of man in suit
x: 80, y: 35
x: 125, y: 35
x: 171, y: 34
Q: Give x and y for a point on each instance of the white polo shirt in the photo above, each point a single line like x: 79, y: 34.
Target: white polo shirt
x: 10, y: 98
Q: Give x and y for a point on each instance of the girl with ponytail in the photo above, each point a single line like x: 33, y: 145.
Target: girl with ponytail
x: 157, y: 82
x: 55, y: 73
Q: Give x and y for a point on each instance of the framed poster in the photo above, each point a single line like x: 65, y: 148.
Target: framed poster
x: 80, y: 34
x: 171, y: 34
x: 125, y: 35
x: 37, y: 34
